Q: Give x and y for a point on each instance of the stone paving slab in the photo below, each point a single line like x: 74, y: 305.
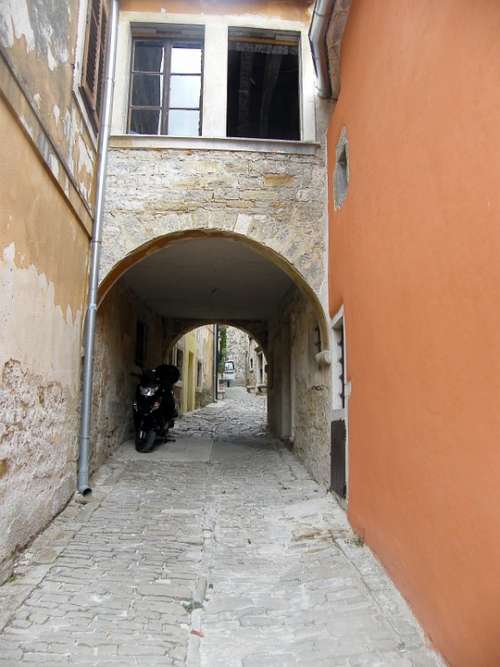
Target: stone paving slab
x: 215, y: 552
x: 185, y: 449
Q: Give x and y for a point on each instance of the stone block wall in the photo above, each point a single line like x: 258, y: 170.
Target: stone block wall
x: 276, y: 199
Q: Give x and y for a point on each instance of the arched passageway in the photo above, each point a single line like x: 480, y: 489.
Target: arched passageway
x: 176, y: 283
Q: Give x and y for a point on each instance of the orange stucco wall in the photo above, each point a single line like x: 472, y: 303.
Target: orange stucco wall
x: 415, y: 259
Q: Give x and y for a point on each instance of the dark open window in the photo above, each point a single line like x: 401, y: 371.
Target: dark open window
x: 263, y: 84
x: 95, y: 52
x: 166, y: 86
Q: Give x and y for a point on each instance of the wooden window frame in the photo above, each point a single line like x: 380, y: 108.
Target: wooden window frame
x: 167, y: 44
x: 91, y: 85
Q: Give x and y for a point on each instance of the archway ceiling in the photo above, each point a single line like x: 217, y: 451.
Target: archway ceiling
x: 212, y: 278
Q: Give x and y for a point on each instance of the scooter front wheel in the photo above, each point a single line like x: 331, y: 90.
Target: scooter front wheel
x: 144, y: 441
x: 149, y: 443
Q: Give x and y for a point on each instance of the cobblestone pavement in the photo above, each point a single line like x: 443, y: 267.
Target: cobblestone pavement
x: 240, y: 415
x: 210, y: 552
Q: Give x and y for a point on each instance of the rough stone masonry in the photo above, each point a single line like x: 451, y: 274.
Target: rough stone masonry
x: 276, y: 199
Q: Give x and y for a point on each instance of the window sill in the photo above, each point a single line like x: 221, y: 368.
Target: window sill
x: 146, y: 141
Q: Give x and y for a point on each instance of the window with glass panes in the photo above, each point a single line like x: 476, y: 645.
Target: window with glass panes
x: 166, y: 87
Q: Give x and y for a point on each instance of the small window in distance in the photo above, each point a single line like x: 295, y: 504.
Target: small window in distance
x: 341, y: 175
x: 95, y: 55
x: 141, y: 341
x: 166, y: 82
x: 263, y: 84
x: 199, y: 374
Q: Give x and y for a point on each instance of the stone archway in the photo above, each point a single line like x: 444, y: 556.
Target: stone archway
x: 174, y: 283
x: 152, y: 246
x: 179, y: 328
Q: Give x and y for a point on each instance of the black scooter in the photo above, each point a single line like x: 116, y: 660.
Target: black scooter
x: 148, y: 416
x: 154, y: 410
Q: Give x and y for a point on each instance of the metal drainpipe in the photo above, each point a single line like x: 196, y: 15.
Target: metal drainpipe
x: 216, y: 370
x: 317, y: 38
x: 214, y: 361
x: 90, y: 321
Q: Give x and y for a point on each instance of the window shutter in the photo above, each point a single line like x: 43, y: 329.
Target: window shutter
x: 94, y: 56
x: 102, y: 56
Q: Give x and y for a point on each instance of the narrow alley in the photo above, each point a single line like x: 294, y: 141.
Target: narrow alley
x: 217, y: 550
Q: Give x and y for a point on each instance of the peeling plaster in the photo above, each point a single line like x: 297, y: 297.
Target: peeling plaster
x: 78, y: 154
x: 28, y: 307
x: 38, y: 450
x: 39, y: 38
x: 27, y: 127
x: 85, y: 160
x: 54, y: 165
x: 15, y: 23
x: 39, y: 384
x: 44, y: 26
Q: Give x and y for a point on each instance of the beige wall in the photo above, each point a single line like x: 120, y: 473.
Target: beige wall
x: 46, y: 193
x: 43, y: 271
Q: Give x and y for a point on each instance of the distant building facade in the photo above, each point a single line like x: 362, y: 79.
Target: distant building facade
x: 194, y: 356
x: 236, y: 352
x: 256, y: 367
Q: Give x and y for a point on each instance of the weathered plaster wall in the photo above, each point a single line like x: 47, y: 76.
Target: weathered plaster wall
x: 237, y: 346
x: 276, y: 199
x: 43, y: 267
x: 414, y: 260
x: 114, y: 386
x: 39, y: 40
